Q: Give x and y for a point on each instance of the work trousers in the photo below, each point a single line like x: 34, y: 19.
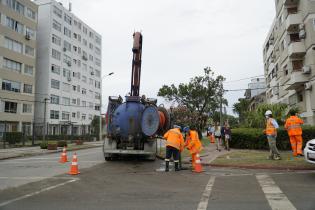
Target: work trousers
x: 296, y: 144
x: 273, y: 146
x: 171, y: 151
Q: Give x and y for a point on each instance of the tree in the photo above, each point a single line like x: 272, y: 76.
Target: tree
x: 201, y: 96
x: 241, y: 108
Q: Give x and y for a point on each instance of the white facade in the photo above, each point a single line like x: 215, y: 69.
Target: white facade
x: 69, y: 71
x: 257, y: 86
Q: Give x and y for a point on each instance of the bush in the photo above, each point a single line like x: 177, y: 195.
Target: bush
x: 253, y: 138
x: 62, y: 143
x: 43, y: 145
x: 13, y: 137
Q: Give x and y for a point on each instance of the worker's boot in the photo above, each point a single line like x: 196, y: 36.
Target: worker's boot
x: 167, y: 166
x: 177, y: 166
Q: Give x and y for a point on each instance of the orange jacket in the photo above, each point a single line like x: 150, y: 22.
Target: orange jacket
x: 194, y: 145
x: 175, y: 139
x: 270, y: 128
x: 293, y: 125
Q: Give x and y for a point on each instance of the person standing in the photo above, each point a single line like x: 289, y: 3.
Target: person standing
x: 217, y: 135
x: 293, y: 126
x: 271, y: 133
x: 175, y: 144
x: 194, y: 146
x: 227, y: 134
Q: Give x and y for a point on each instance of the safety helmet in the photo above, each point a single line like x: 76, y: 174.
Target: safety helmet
x: 186, y: 129
x: 268, y: 113
x: 177, y: 126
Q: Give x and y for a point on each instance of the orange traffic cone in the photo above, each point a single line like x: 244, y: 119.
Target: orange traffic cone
x: 74, y: 170
x: 63, y: 158
x: 212, y: 139
x: 197, y: 166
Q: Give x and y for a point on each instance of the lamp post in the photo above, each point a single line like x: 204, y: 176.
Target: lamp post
x: 100, y: 124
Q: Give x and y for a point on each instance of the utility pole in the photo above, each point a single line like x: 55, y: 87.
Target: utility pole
x: 45, y: 110
x: 221, y: 98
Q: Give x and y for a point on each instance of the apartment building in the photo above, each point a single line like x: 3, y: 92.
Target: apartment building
x: 18, y: 23
x: 69, y: 71
x: 289, y: 57
x: 255, y: 87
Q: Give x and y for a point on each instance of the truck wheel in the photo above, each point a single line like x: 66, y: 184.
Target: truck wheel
x: 108, y: 158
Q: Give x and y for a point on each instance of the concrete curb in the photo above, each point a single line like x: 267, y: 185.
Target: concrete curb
x: 47, y: 152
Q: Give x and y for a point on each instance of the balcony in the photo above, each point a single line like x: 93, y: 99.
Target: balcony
x: 293, y: 21
x: 296, y: 49
x: 291, y: 2
x: 297, y: 79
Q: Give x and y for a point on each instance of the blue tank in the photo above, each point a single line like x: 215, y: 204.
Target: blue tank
x: 127, y: 119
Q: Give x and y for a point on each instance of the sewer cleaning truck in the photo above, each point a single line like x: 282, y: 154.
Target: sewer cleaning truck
x: 133, y: 125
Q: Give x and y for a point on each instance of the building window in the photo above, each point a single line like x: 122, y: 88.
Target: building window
x: 66, y: 115
x: 91, y: 46
x: 98, y: 62
x: 14, y: 25
x: 57, y: 11
x: 27, y: 108
x: 54, y: 99
x: 90, y: 105
x: 91, y: 35
x: 67, y: 60
x: 66, y: 73
x: 29, y: 50
x: 55, y: 69
x: 74, y: 88
x: 13, y: 45
x: 84, y: 103
x: 84, y: 79
x: 67, y: 32
x: 91, y: 57
x: 84, y: 42
x: 55, y: 84
x: 66, y: 87
x: 97, y: 95
x: 299, y: 97
x: 15, y: 5
x: 297, y: 65
x: 83, y: 91
x: 56, y: 40
x: 30, y: 33
x: 11, y: 86
x: 66, y: 101
x: 28, y: 70
x: 68, y: 19
x: 28, y: 88
x: 10, y: 107
x: 12, y: 65
x: 54, y: 114
x: 98, y: 84
x: 98, y: 40
x: 67, y: 46
x: 84, y: 30
x: 31, y: 14
x: 97, y: 107
x: 73, y: 114
x: 83, y: 116
x: 56, y: 54
x: 56, y: 25
x: 97, y: 51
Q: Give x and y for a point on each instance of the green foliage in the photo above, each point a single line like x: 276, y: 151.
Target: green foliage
x: 43, y: 145
x: 13, y: 137
x: 241, y: 108
x: 200, y: 96
x: 95, y: 125
x: 253, y: 138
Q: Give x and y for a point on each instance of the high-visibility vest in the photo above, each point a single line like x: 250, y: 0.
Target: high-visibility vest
x: 293, y: 125
x: 270, y: 128
x: 174, y: 139
x: 195, y: 144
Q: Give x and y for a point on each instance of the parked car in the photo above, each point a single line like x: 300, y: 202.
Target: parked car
x: 309, y: 151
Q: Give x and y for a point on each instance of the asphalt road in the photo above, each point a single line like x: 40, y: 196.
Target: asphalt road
x: 141, y: 185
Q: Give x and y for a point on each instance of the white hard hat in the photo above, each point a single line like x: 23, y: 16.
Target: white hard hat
x: 268, y: 113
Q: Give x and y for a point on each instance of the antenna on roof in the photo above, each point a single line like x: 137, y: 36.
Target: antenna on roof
x: 70, y: 6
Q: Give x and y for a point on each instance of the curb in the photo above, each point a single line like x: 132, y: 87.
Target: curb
x: 260, y: 167
x: 46, y: 153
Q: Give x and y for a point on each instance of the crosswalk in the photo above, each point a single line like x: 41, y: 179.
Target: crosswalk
x: 279, y: 191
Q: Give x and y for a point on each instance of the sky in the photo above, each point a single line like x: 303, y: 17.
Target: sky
x: 180, y: 38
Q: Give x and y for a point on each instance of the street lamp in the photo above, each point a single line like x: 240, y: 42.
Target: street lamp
x: 100, y: 131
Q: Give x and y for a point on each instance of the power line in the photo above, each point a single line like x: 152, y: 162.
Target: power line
x: 238, y: 80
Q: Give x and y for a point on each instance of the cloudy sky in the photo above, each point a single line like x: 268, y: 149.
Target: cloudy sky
x: 181, y: 37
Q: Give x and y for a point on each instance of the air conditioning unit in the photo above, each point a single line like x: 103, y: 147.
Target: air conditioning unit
x: 308, y: 86
x: 84, y: 57
x: 27, y: 36
x: 64, y: 49
x: 69, y: 79
x: 306, y: 70
x: 302, y: 34
x: 69, y: 63
x: 92, y: 73
x: 301, y: 26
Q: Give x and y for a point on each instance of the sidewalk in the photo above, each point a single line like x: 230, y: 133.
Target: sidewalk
x: 32, y: 151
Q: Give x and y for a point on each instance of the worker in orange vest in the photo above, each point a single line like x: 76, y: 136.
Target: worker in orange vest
x: 293, y: 126
x: 271, y: 133
x: 194, y: 145
x: 175, y: 144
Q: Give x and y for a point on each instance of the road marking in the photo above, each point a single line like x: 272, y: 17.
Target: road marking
x: 276, y: 198
x: 36, y: 193
x: 23, y: 162
x: 203, y: 204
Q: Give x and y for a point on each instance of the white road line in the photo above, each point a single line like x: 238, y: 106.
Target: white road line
x: 36, y: 193
x: 203, y: 204
x: 276, y: 198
